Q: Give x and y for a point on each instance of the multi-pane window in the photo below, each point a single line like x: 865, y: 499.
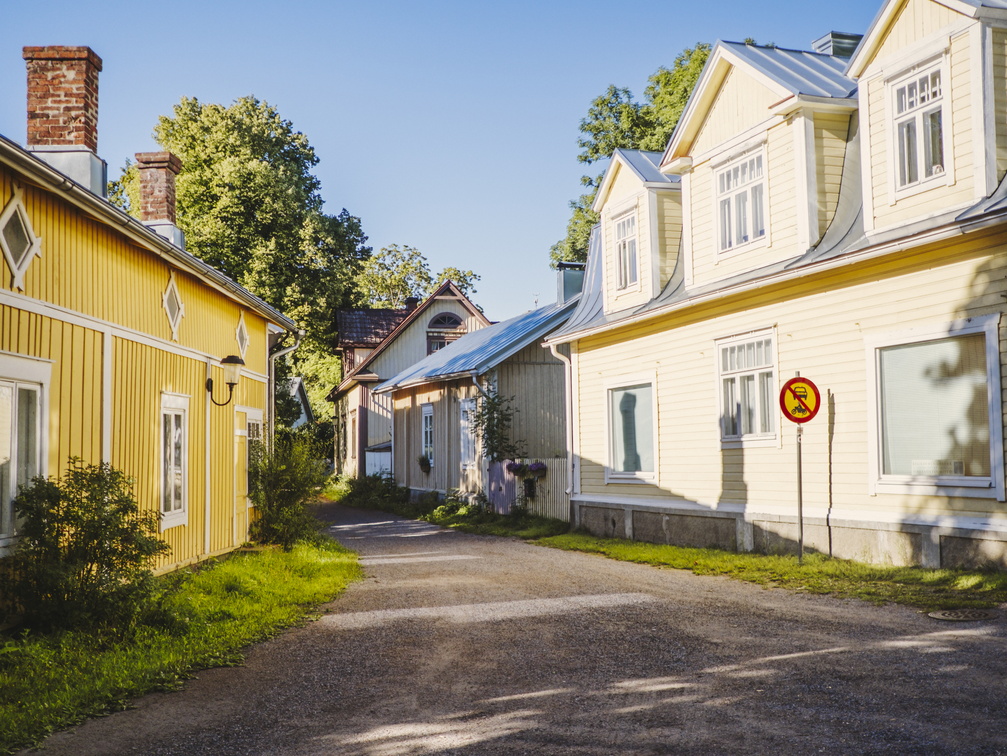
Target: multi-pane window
x: 919, y: 129
x: 741, y: 202
x: 748, y: 388
x: 625, y: 247
x: 934, y: 410
x: 253, y: 449
x: 468, y: 438
x: 174, y: 459
x: 20, y: 440
x: 427, y: 433
x: 442, y: 330
x: 631, y: 431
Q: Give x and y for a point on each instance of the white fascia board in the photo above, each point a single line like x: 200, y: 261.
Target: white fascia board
x: 815, y: 103
x: 714, y: 72
x: 869, y: 44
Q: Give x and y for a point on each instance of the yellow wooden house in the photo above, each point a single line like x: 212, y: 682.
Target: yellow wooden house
x: 115, y: 343
x: 838, y: 213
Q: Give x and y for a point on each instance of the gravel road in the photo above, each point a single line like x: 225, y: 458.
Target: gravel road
x: 458, y: 644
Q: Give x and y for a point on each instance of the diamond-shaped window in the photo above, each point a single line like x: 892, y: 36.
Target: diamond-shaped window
x: 17, y: 239
x: 173, y: 306
x: 241, y: 335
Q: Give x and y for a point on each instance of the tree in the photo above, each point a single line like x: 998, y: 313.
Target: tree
x: 615, y: 120
x: 250, y: 206
x: 396, y: 273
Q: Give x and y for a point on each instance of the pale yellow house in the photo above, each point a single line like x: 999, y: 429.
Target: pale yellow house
x: 841, y: 214
x: 376, y: 344
x: 112, y: 337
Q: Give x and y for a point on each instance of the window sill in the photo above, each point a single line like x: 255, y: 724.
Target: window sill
x: 752, y: 442
x: 174, y: 520
x: 739, y: 249
x: 951, y: 488
x: 612, y: 478
x: 934, y: 182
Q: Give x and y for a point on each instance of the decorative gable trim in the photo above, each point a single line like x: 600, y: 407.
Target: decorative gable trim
x: 174, y: 308
x: 17, y: 238
x: 241, y: 335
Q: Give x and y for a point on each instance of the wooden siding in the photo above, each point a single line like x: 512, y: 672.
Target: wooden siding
x: 536, y: 381
x: 741, y: 103
x: 821, y: 322
x: 627, y: 195
x: 831, y: 133
x: 917, y: 20
x: 669, y: 208
x: 999, y: 65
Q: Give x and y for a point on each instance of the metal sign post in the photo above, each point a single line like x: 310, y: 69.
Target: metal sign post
x: 800, y: 401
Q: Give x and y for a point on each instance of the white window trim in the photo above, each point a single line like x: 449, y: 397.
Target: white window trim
x: 252, y: 415
x: 174, y: 402
x: 642, y: 477
x: 752, y: 440
x: 982, y: 489
x: 634, y: 285
x: 939, y: 60
x: 427, y: 410
x: 467, y: 431
x: 241, y: 327
x: 174, y: 324
x: 16, y: 205
x: 36, y: 372
x: 726, y: 161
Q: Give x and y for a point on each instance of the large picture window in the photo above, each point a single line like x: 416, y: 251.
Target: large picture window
x: 938, y: 417
x: 741, y: 202
x: 919, y: 127
x: 631, y: 432
x: 748, y: 387
x: 20, y: 445
x: 174, y: 460
x: 625, y: 246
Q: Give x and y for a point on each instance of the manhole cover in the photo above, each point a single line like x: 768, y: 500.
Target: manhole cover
x: 963, y: 615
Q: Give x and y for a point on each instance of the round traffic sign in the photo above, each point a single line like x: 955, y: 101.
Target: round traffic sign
x: 800, y: 400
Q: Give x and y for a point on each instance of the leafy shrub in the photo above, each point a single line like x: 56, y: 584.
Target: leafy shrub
x: 283, y: 481
x: 85, y: 552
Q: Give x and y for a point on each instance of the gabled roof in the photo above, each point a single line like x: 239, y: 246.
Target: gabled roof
x: 792, y: 75
x: 101, y: 210
x: 367, y: 328
x: 475, y: 353
x: 644, y: 165
x: 446, y: 289
x: 980, y: 9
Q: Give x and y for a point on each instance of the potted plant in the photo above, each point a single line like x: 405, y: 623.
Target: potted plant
x: 424, y: 462
x: 537, y: 469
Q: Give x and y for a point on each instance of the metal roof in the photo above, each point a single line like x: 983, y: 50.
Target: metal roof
x: 646, y: 165
x: 798, y: 71
x: 479, y: 351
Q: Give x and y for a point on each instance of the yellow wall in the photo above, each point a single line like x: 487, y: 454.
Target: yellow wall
x: 741, y: 103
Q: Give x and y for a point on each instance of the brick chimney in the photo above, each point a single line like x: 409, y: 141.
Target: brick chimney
x: 157, y: 193
x: 63, y: 112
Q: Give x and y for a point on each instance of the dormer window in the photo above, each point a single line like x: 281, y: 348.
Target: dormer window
x: 741, y: 201
x: 919, y: 127
x: 625, y: 246
x: 442, y: 330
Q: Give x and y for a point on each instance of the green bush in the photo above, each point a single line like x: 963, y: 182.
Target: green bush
x: 85, y: 551
x: 283, y: 481
x: 371, y: 492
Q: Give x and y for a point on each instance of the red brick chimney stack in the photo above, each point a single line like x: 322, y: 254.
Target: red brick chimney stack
x: 62, y: 97
x: 157, y: 185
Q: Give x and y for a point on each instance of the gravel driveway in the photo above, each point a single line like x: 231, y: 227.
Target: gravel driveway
x: 465, y: 644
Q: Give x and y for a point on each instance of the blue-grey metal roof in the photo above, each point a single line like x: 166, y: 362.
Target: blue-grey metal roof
x: 799, y: 71
x: 591, y: 306
x: 479, y: 351
x: 646, y: 165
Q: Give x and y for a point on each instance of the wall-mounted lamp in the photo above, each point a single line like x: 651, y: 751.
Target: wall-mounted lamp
x: 232, y: 373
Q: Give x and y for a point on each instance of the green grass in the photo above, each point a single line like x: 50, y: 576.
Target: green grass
x: 51, y: 682
x: 527, y: 526
x: 913, y: 586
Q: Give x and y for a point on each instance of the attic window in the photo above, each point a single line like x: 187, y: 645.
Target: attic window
x: 741, y: 201
x: 919, y: 127
x: 173, y: 306
x: 442, y: 330
x: 241, y: 336
x: 18, y: 239
x: 446, y: 320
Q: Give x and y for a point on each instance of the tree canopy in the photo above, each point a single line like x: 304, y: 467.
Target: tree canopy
x: 249, y: 205
x: 616, y: 120
x: 396, y: 273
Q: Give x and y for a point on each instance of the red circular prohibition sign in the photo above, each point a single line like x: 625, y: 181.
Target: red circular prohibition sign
x: 800, y: 400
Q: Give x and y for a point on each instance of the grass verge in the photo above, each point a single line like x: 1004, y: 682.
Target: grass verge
x: 51, y: 682
x: 527, y: 526
x: 913, y: 586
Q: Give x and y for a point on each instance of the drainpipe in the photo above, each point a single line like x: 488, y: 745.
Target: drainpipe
x: 568, y: 412
x: 475, y: 382
x: 271, y: 379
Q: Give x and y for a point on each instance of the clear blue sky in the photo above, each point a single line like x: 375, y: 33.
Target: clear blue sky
x: 448, y: 125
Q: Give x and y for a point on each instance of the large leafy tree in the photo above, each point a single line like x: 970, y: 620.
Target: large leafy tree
x: 394, y: 274
x: 250, y: 205
x: 616, y: 120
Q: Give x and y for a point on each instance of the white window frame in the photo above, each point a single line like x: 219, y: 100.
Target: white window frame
x: 971, y: 487
x: 253, y: 434
x: 741, y: 439
x: 467, y: 445
x: 241, y: 336
x: 171, y: 292
x: 19, y: 372
x: 427, y: 432
x: 612, y: 475
x: 627, y: 252
x: 723, y: 172
x: 18, y: 269
x: 174, y: 405
x: 893, y: 86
